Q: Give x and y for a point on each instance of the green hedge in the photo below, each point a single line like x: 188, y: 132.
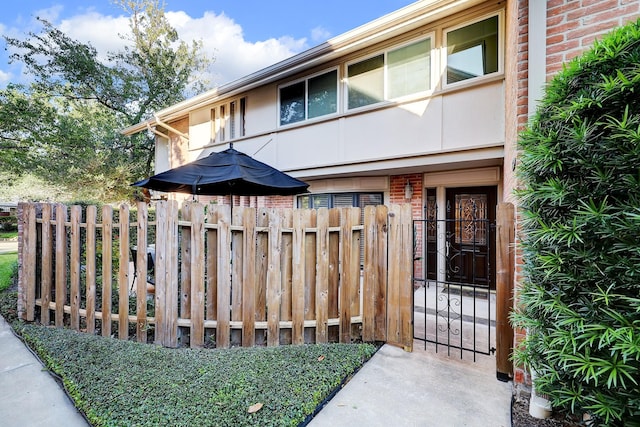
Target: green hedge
x: 126, y: 383
x: 580, y: 200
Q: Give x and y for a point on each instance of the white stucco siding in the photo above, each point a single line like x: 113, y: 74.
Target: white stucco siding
x: 473, y: 118
x: 404, y: 130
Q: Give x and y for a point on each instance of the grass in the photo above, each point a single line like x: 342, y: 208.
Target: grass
x: 8, y: 264
x: 8, y: 234
x: 122, y: 383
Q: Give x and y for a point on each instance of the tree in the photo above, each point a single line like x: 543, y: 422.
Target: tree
x: 580, y: 201
x: 69, y: 117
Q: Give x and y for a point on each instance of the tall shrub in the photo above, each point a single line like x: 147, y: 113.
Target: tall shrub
x: 580, y: 207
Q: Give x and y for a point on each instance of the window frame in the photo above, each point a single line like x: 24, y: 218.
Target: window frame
x: 433, y: 66
x: 500, y: 47
x: 228, y: 120
x: 331, y: 198
x: 306, y: 80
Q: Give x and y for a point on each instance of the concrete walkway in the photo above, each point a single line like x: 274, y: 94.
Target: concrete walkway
x: 396, y: 388
x: 29, y: 396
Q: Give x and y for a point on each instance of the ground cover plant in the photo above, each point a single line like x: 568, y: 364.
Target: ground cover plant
x: 8, y: 268
x: 580, y: 201
x: 126, y: 383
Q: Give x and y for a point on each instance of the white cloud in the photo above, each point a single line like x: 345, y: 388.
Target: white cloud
x: 223, y: 40
x: 4, y: 77
x: 320, y: 35
x: 221, y: 36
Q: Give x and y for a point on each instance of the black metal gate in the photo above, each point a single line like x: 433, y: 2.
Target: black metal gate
x: 454, y: 275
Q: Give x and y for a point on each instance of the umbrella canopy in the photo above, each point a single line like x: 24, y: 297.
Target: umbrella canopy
x: 228, y: 172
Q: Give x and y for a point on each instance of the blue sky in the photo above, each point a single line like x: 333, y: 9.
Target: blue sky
x: 243, y: 35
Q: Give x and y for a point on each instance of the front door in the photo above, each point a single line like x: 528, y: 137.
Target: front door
x: 470, y: 257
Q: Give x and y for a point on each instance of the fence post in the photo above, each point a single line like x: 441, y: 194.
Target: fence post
x: 274, y: 279
x: 197, y: 276
x: 322, y: 276
x: 505, y: 263
x: 47, y: 270
x: 123, y: 274
x: 61, y: 263
x: 224, y: 277
x: 249, y: 275
x: 74, y: 262
x: 141, y: 272
x: 107, y: 266
x: 29, y: 259
x: 90, y: 265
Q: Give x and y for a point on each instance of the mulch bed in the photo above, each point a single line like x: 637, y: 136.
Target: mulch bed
x: 520, y: 416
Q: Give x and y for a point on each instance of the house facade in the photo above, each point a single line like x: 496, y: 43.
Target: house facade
x: 421, y: 106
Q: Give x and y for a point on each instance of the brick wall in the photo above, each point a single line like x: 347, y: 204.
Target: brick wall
x: 572, y: 26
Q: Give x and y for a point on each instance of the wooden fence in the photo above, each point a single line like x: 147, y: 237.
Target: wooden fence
x: 257, y: 277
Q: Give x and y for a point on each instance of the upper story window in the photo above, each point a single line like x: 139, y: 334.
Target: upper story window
x: 395, y: 73
x: 228, y: 120
x: 472, y: 50
x: 310, y: 98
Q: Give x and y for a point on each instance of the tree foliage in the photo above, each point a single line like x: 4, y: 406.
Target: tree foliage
x: 65, y: 125
x: 580, y: 200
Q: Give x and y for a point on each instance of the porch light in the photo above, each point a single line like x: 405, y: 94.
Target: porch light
x: 408, y: 191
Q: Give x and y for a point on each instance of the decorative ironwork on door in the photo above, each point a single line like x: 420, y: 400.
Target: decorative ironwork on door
x: 454, y: 274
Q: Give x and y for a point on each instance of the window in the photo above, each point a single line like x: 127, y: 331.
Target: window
x: 223, y: 123
x: 408, y: 71
x: 335, y: 200
x: 313, y: 97
x: 232, y: 120
x: 472, y: 50
x: 228, y: 120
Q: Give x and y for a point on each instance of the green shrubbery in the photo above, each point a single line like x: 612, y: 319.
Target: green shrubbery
x: 580, y: 201
x: 126, y: 383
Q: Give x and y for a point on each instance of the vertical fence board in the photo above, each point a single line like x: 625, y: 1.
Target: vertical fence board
x: 224, y: 277
x: 237, y: 283
x: 29, y: 243
x: 90, y: 263
x: 346, y: 282
x: 297, y: 278
x: 406, y: 271
x: 123, y: 275
x: 334, y: 273
x: 310, y: 221
x: 274, y: 279
x: 382, y: 266
x: 61, y: 263
x: 197, y: 276
x: 262, y: 250
x: 322, y: 277
x: 46, y: 262
x: 370, y: 274
x: 286, y: 221
x: 212, y: 264
x: 393, y: 314
x: 185, y: 270
x: 74, y: 289
x: 160, y: 331
x: 171, y: 275
x: 249, y: 274
x: 107, y: 268
x: 141, y: 272
x: 505, y: 261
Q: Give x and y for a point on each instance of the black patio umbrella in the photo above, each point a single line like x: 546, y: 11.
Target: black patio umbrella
x: 228, y: 172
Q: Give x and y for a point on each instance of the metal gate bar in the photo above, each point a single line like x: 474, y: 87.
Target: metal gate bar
x: 451, y: 308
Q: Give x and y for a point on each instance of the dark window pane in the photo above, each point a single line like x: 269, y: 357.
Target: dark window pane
x: 292, y: 103
x: 472, y: 50
x: 323, y: 94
